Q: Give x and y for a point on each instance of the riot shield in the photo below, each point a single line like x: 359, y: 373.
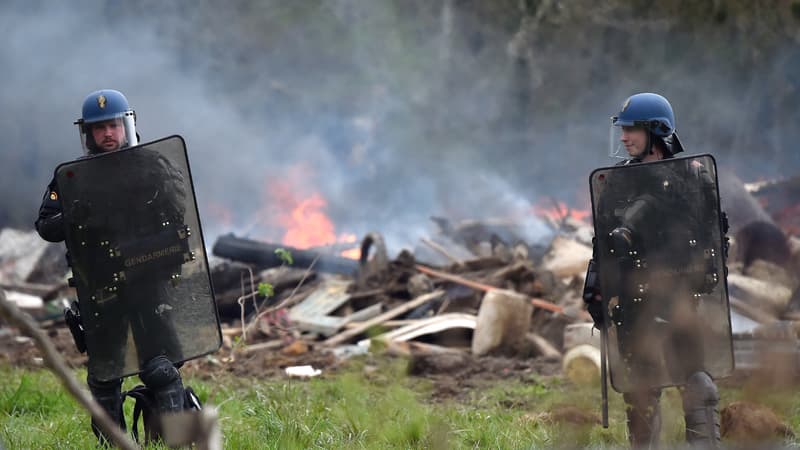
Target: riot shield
x: 138, y: 258
x: 660, y: 254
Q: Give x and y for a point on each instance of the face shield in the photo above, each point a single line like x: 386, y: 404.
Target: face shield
x: 628, y: 139
x: 111, y: 134
x: 615, y: 147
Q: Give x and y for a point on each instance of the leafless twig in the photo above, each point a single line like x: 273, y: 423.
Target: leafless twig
x: 286, y: 302
x: 56, y: 364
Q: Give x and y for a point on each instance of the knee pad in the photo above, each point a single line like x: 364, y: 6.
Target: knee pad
x: 164, y: 380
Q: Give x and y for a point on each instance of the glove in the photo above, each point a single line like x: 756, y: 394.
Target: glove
x: 72, y: 316
x: 596, y: 311
x: 592, y: 296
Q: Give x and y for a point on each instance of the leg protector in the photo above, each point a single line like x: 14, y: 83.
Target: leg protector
x: 701, y: 411
x: 109, y: 395
x: 164, y: 380
x: 644, y: 418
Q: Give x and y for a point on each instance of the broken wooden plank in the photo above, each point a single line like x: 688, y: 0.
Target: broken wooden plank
x: 751, y: 312
x: 441, y: 250
x: 269, y: 345
x: 392, y: 313
x: 388, y: 324
x: 542, y: 346
x: 313, y: 314
x: 537, y: 302
x: 414, y: 348
x: 422, y: 327
x: 768, y: 297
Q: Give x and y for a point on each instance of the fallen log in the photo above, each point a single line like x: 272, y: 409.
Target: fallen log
x: 263, y: 255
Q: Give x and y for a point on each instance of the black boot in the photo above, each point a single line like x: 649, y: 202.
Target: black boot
x: 109, y: 395
x: 701, y: 411
x: 644, y: 418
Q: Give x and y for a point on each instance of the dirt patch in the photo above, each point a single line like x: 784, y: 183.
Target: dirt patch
x: 453, y: 376
x: 20, y: 351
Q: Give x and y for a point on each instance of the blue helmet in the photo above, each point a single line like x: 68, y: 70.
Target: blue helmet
x: 649, y: 111
x: 653, y: 113
x: 104, y: 105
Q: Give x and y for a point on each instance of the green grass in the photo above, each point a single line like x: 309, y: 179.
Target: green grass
x: 355, y: 408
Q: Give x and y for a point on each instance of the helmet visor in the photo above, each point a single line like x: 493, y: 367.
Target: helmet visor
x: 628, y: 139
x: 615, y: 147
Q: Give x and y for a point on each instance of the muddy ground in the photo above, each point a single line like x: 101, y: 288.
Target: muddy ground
x: 453, y: 376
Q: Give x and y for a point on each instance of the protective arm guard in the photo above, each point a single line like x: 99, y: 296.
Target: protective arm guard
x: 50, y: 224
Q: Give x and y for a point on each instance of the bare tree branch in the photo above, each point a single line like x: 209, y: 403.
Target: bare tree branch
x: 55, y: 362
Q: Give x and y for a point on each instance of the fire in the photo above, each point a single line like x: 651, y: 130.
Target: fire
x: 560, y: 211
x: 303, y: 217
x: 307, y: 225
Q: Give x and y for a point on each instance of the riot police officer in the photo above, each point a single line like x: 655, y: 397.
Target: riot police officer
x: 644, y: 131
x: 107, y: 124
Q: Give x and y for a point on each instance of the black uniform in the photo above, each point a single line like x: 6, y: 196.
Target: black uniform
x: 144, y: 310
x: 679, y: 342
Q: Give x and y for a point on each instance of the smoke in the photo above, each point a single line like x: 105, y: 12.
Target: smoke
x: 398, y: 110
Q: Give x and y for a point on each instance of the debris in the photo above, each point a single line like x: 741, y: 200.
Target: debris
x: 441, y: 250
x: 269, y: 345
x: 297, y: 347
x: 26, y: 257
x: 25, y: 301
x: 347, y: 351
x: 537, y: 302
x: 423, y: 327
x: 542, y: 347
x: 567, y: 257
x: 402, y: 309
x: 503, y: 320
x: 418, y: 349
x: 313, y: 314
x: 768, y: 297
x: 302, y: 371
x: 373, y: 262
x: 581, y: 364
x: 576, y: 334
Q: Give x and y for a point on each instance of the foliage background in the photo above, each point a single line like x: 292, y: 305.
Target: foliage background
x: 393, y: 109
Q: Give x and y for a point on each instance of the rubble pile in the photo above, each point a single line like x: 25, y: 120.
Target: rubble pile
x: 473, y: 289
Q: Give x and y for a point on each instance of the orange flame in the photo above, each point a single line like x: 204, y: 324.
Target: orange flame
x: 303, y: 216
x: 560, y: 211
